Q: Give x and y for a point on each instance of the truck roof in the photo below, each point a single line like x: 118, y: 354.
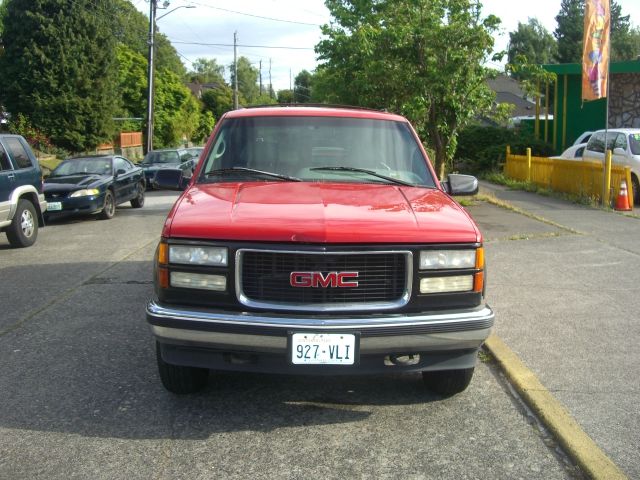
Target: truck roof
x: 314, y: 111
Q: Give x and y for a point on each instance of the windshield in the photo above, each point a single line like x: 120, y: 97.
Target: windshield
x: 161, y: 157
x: 83, y: 166
x: 317, y: 149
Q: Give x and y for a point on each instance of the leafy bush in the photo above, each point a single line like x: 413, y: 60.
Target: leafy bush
x: 483, y: 149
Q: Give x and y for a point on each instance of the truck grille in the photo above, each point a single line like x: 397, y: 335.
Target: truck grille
x: 263, y: 278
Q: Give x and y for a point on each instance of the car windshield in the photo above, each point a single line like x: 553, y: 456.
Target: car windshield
x: 161, y: 157
x: 83, y: 166
x: 317, y: 149
x: 634, y: 143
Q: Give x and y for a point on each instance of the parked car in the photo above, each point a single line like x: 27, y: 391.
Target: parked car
x: 22, y: 201
x: 574, y: 152
x: 168, y: 158
x: 583, y: 138
x: 318, y: 241
x: 195, y: 152
x: 93, y: 185
x: 625, y: 146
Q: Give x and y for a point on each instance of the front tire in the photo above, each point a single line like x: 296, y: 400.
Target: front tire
x: 448, y: 382
x: 138, y: 202
x: 109, y: 209
x: 179, y: 379
x: 23, y: 230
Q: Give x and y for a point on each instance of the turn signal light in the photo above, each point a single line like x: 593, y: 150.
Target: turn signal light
x: 163, y: 277
x: 163, y: 254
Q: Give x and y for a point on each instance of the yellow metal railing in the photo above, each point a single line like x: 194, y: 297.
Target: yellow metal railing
x: 584, y: 178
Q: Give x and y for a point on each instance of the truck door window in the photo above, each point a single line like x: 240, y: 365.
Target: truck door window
x: 18, y: 153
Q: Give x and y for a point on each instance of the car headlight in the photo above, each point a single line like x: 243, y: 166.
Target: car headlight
x: 447, y: 259
x: 187, y: 255
x: 85, y: 192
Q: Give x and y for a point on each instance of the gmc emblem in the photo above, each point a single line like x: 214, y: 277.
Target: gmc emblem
x: 319, y: 279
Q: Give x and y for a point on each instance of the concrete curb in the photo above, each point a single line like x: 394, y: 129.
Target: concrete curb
x: 578, y: 445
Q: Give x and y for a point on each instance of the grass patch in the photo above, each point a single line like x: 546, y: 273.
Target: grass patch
x: 580, y: 199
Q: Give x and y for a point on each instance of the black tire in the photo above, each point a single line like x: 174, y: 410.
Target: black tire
x: 23, y: 230
x: 138, y: 202
x: 109, y: 209
x: 179, y: 379
x: 636, y: 190
x: 448, y: 382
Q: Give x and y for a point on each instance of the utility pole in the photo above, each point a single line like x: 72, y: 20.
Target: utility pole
x: 153, y: 4
x: 235, y: 70
x: 260, y: 77
x: 271, y: 92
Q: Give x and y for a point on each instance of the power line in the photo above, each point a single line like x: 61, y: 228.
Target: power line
x: 272, y: 19
x: 239, y: 45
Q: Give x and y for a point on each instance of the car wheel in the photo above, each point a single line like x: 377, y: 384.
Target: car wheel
x: 179, y: 379
x: 448, y: 382
x: 138, y: 202
x: 23, y: 230
x: 109, y: 209
x: 636, y: 190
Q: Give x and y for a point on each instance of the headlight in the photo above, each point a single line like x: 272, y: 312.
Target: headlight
x: 445, y: 259
x: 459, y: 283
x: 85, y: 192
x: 182, y: 254
x: 199, y: 281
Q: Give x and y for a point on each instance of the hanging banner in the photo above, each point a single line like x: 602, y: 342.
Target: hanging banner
x: 595, y: 49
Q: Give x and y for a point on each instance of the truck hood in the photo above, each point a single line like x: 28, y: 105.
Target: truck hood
x: 319, y: 213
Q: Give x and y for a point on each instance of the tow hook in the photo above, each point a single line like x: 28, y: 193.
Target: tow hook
x: 402, y: 360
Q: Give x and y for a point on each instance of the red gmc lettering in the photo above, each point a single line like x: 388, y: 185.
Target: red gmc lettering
x: 318, y: 279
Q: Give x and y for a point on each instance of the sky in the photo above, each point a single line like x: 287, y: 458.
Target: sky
x: 293, y: 26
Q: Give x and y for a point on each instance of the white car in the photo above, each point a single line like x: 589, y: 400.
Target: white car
x: 574, y: 152
x: 583, y: 138
x: 625, y: 146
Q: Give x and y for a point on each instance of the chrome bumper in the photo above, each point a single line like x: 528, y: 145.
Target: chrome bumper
x: 435, y: 331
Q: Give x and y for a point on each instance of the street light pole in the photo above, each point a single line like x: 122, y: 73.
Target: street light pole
x: 153, y: 4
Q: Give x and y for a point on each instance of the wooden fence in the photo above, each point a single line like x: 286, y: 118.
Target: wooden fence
x: 568, y: 176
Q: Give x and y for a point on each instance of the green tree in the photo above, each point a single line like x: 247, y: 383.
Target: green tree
x: 570, y: 31
x: 58, y: 68
x: 302, y: 87
x: 176, y: 111
x: 247, y: 81
x: 532, y: 41
x: 285, y: 96
x: 218, y: 100
x: 205, y: 70
x: 132, y: 29
x: 132, y: 87
x: 423, y: 58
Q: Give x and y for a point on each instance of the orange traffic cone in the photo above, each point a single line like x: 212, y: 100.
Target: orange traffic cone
x: 622, y: 200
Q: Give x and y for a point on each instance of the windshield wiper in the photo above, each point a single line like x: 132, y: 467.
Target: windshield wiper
x: 231, y: 170
x: 368, y: 172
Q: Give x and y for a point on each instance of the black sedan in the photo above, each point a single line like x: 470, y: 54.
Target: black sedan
x: 168, y: 158
x: 93, y: 185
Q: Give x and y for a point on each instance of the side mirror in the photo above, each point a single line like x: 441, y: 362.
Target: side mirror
x: 461, y: 184
x: 120, y: 171
x: 170, y: 179
x: 619, y: 151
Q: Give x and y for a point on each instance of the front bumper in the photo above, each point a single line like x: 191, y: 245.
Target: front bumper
x: 76, y: 206
x: 259, y: 342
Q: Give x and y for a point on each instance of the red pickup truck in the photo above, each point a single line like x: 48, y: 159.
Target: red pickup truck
x: 318, y: 241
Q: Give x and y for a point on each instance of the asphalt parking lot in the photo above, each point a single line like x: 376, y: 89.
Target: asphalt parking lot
x: 80, y: 397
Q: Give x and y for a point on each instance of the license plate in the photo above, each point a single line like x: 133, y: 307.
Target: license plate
x: 54, y: 206
x: 323, y: 348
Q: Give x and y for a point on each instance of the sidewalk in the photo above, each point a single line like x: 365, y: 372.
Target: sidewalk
x: 566, y: 292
